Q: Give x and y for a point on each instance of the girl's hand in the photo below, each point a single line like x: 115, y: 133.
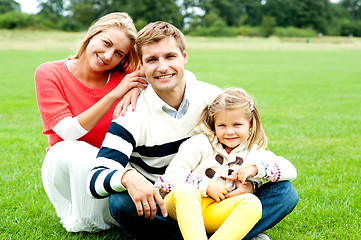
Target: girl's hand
x: 240, y: 189
x: 243, y: 173
x: 217, y: 190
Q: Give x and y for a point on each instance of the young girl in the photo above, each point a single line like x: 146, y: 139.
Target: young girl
x: 229, y: 154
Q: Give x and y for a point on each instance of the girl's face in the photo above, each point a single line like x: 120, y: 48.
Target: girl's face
x: 106, y: 49
x: 231, y: 128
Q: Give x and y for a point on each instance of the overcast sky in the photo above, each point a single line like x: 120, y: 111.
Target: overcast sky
x: 30, y: 6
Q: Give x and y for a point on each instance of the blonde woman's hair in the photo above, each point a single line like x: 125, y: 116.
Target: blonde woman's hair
x: 157, y: 31
x: 117, y: 19
x: 236, y: 99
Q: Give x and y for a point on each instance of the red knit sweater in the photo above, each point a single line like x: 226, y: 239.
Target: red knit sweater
x: 59, y: 94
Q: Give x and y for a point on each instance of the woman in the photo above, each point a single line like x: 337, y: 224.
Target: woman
x: 76, y: 98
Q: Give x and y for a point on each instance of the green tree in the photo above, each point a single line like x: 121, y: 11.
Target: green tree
x: 84, y: 14
x: 188, y: 10
x: 268, y: 26
x: 353, y: 7
x: 51, y: 7
x: 13, y: 19
x: 281, y: 10
x: 231, y: 11
x: 8, y: 6
x: 145, y: 10
x: 51, y: 13
x: 310, y: 13
x: 160, y: 10
x: 210, y: 18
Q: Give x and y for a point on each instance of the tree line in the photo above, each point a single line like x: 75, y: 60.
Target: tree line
x: 198, y: 17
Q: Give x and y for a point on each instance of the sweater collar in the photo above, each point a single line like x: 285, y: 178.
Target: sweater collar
x: 159, y: 104
x: 219, y: 147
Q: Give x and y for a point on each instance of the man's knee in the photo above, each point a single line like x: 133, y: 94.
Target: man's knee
x: 290, y: 193
x: 121, y: 205
x: 279, y: 193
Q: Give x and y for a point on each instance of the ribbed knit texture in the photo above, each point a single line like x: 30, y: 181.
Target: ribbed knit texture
x: 60, y: 94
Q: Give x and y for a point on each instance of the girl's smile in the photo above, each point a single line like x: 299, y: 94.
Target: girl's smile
x: 231, y: 128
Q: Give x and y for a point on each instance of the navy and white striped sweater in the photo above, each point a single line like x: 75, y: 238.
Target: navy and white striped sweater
x: 146, y: 139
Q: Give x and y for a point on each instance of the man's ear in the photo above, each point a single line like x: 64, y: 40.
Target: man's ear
x: 185, y: 56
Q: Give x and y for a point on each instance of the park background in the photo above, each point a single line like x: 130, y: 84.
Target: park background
x: 306, y: 86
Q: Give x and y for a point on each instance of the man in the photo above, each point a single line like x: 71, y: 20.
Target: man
x: 139, y: 146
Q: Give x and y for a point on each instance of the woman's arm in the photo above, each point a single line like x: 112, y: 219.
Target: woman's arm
x: 73, y: 128
x: 69, y: 129
x: 90, y: 117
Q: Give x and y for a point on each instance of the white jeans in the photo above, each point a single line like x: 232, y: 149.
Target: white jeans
x: 64, y: 175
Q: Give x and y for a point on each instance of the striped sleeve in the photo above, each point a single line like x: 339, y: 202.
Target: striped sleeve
x: 111, y: 163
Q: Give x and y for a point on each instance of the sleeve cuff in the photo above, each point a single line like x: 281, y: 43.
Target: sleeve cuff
x: 203, y: 185
x: 116, y: 181
x: 261, y: 170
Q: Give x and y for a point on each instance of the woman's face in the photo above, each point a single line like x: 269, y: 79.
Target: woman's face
x: 106, y: 49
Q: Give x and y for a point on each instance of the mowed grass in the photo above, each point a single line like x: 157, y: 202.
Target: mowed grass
x: 309, y: 97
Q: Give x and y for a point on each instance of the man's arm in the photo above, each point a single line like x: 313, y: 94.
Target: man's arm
x: 111, y: 174
x: 144, y: 194
x: 111, y: 163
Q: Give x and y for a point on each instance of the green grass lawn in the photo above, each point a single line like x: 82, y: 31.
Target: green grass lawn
x: 309, y: 98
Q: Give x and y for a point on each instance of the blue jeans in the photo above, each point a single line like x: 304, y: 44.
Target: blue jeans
x: 278, y: 200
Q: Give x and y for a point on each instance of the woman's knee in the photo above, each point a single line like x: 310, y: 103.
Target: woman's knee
x: 66, y: 155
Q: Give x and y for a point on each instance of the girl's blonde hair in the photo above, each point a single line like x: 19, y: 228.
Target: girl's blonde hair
x: 236, y: 99
x: 117, y: 19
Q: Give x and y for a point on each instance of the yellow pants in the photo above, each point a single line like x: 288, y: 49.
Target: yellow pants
x: 231, y: 218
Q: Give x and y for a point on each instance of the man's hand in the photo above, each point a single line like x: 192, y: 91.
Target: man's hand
x: 144, y: 194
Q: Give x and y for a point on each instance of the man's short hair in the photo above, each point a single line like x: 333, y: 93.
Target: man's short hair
x: 157, y: 31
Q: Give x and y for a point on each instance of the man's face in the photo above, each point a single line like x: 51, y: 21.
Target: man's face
x: 163, y: 64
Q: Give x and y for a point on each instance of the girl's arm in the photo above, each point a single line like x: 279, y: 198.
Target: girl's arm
x: 274, y: 168
x: 190, y: 154
x: 264, y: 164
